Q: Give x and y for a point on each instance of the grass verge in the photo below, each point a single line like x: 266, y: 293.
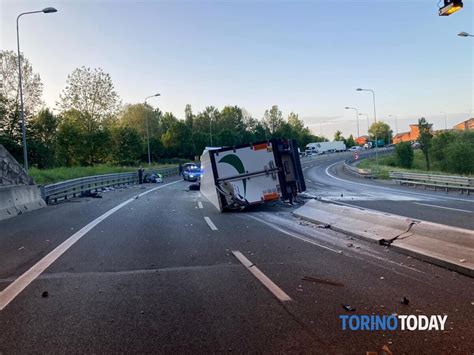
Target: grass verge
x: 388, y: 163
x: 50, y: 176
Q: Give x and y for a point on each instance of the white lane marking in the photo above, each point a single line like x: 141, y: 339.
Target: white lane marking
x: 446, y: 208
x: 210, y: 224
x: 269, y: 284
x: 17, y: 286
x: 199, y: 204
x: 300, y: 237
x: 391, y: 190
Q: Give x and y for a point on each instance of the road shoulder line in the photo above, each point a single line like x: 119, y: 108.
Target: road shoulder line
x: 269, y: 284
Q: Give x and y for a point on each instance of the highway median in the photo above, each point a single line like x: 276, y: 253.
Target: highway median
x: 442, y: 245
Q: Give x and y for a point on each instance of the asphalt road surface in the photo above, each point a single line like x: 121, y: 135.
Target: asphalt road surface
x: 166, y: 273
x: 326, y: 178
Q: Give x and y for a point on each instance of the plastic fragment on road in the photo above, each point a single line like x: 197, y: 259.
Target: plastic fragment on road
x: 316, y: 280
x: 386, y: 350
x: 325, y: 226
x: 404, y: 301
x: 45, y: 294
x: 348, y: 308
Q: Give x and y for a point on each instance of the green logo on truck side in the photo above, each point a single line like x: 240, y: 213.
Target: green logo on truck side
x: 235, y: 161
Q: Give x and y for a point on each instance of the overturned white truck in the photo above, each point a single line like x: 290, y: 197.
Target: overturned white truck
x: 248, y: 174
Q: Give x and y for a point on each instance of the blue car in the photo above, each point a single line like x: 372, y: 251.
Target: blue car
x: 192, y: 173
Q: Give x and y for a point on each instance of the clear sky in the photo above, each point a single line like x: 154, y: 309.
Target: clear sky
x: 307, y: 57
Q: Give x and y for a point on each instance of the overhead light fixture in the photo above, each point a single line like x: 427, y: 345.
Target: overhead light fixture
x: 450, y: 7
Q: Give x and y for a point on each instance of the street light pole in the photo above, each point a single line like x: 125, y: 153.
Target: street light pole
x: 375, y: 119
x: 46, y: 10
x: 357, y: 117
x: 147, y: 131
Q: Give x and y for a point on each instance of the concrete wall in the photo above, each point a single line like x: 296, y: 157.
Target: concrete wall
x: 17, y: 200
x: 17, y: 193
x: 11, y: 173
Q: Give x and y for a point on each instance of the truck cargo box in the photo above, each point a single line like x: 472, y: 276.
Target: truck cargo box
x: 248, y: 174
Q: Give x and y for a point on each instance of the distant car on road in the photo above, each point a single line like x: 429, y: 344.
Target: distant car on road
x: 355, y: 148
x: 192, y: 173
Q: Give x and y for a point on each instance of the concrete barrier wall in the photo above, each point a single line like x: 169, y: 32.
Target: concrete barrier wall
x: 16, y: 200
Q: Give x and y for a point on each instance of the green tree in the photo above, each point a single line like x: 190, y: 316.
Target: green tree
x: 404, y: 154
x: 226, y: 138
x: 200, y: 140
x: 137, y: 116
x: 273, y: 119
x: 338, y: 136
x: 439, y: 145
x: 178, y: 141
x: 350, y: 142
x: 460, y: 157
x: 127, y: 145
x: 424, y: 139
x: 42, y: 139
x: 10, y: 123
x: 188, y: 116
x: 91, y: 92
x: 381, y: 130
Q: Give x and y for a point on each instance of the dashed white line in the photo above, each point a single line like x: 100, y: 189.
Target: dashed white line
x: 269, y: 284
x: 446, y: 208
x: 199, y: 204
x: 210, y: 224
x: 17, y: 286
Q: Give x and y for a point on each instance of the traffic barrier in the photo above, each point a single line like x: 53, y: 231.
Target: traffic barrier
x: 73, y: 188
x: 443, y: 245
x: 15, y: 200
x: 444, y: 182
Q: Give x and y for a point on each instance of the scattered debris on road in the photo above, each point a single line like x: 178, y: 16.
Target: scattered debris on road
x: 89, y: 193
x: 194, y: 187
x: 404, y: 301
x: 45, y: 294
x: 348, y: 308
x: 323, y: 281
x: 325, y: 226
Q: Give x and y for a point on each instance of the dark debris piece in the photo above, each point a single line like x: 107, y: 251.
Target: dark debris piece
x: 45, y: 294
x: 405, y: 301
x: 348, y: 308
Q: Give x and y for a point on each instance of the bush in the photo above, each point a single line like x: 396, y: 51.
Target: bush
x: 404, y: 154
x: 460, y: 157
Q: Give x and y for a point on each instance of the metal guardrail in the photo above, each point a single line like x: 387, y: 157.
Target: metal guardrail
x: 365, y: 173
x: 73, y: 188
x: 444, y: 182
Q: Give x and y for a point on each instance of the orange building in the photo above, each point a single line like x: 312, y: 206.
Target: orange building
x: 467, y: 125
x: 407, y: 136
x: 361, y: 140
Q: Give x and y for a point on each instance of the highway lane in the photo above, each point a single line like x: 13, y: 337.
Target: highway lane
x: 154, y: 276
x: 326, y: 179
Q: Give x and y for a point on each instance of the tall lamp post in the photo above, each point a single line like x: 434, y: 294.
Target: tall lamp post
x: 46, y: 10
x: 375, y: 120
x: 147, y: 131
x: 357, y: 117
